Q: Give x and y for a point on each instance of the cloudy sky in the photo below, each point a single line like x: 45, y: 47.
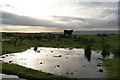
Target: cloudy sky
x: 57, y: 15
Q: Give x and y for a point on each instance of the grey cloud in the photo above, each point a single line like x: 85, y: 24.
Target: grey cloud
x: 97, y: 4
x: 87, y: 23
x: 66, y: 18
x: 12, y: 19
x: 110, y: 11
x: 102, y: 6
x: 79, y: 23
x: 96, y: 9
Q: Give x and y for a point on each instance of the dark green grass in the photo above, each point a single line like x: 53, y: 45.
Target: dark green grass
x: 112, y: 66
x: 27, y: 73
x: 74, y: 41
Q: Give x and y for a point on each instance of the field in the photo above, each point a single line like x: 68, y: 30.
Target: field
x: 21, y: 42
x: 112, y: 66
x: 18, y: 42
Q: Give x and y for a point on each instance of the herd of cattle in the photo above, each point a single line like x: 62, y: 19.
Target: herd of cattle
x: 69, y: 32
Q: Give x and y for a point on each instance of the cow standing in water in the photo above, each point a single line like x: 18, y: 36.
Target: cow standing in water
x: 68, y: 32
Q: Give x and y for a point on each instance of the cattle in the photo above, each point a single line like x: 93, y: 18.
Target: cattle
x: 102, y: 35
x: 68, y: 32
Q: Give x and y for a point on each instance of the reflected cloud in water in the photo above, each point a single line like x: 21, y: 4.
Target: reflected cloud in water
x: 59, y: 61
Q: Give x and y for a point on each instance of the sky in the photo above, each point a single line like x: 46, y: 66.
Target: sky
x: 58, y: 15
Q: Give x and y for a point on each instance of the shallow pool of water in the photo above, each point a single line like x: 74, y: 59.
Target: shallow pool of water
x: 8, y: 76
x: 71, y: 63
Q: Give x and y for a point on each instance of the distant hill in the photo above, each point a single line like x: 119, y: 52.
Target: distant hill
x: 95, y: 32
x: 92, y: 32
x: 74, y: 32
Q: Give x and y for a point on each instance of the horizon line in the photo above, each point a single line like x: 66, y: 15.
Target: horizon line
x: 54, y: 31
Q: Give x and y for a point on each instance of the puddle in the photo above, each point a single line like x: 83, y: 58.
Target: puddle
x: 72, y: 63
x: 5, y: 77
x: 8, y: 76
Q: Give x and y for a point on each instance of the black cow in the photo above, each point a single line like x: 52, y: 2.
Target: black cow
x: 102, y: 34
x: 68, y: 32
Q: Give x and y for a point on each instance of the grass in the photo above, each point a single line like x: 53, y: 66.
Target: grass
x: 21, y: 42
x: 27, y: 73
x: 59, y: 41
x: 112, y: 66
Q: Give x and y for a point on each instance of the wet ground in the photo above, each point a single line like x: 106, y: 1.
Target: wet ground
x: 8, y: 76
x: 69, y: 62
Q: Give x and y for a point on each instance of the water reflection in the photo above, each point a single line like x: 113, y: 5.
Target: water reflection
x: 59, y: 61
x: 88, y: 52
x: 105, y: 50
x: 105, y: 54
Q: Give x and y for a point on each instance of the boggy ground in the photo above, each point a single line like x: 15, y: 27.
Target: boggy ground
x: 27, y: 73
x: 20, y: 42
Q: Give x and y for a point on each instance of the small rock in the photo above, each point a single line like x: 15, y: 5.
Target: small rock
x: 66, y: 57
x: 6, y: 55
x: 100, y: 70
x: 60, y: 56
x: 49, y: 74
x: 98, y: 65
x: 67, y: 73
x: 71, y: 73
x: 58, y: 65
x: 10, y: 61
x: 99, y: 58
x: 40, y: 62
x: 97, y: 51
x: 3, y: 56
x: 70, y: 48
x: 51, y: 51
x: 38, y: 51
x: 35, y: 48
x: 84, y: 66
